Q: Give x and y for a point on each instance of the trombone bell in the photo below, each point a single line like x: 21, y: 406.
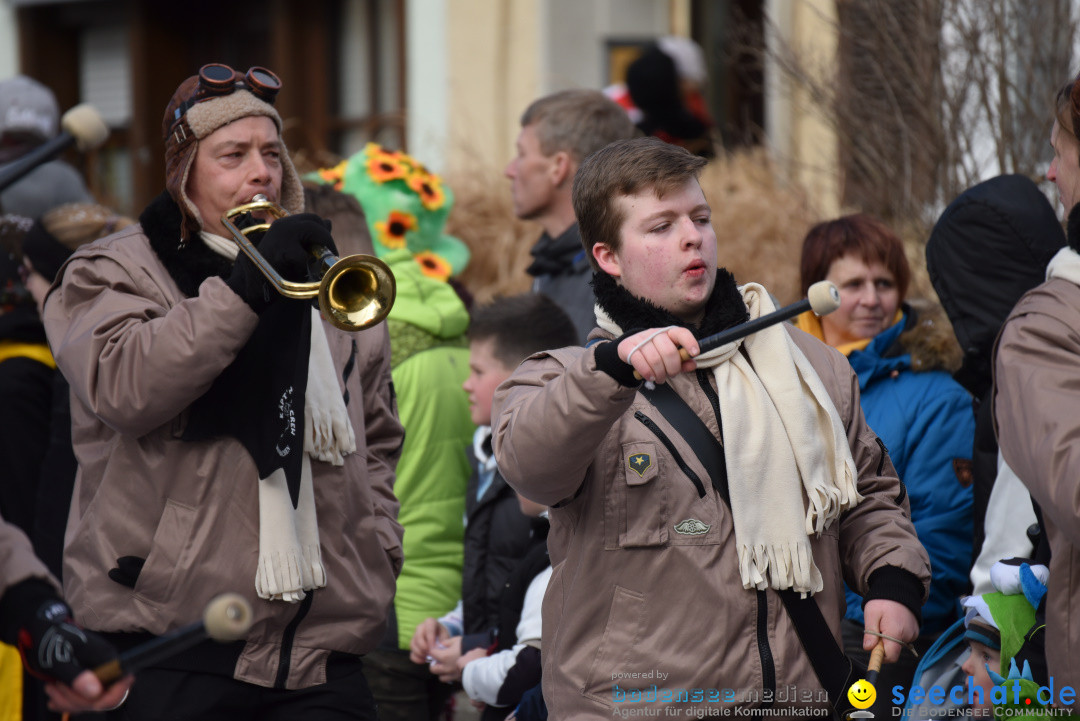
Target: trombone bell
x: 354, y: 292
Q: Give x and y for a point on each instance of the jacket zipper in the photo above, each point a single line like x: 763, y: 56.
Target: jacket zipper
x: 648, y: 423
x: 881, y: 467
x: 714, y: 400
x: 287, y: 639
x: 884, y: 455
x: 768, y: 670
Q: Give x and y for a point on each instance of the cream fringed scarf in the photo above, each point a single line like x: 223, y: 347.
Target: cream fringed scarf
x: 290, y: 559
x: 779, y: 426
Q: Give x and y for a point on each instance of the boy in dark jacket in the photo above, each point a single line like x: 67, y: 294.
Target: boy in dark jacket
x: 498, y: 536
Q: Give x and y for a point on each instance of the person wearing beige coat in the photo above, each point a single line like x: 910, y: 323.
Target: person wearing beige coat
x: 228, y: 438
x: 1036, y: 394
x: 663, y: 593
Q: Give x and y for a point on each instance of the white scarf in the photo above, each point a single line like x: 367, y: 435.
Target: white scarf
x: 779, y: 426
x: 290, y: 557
x: 1066, y: 265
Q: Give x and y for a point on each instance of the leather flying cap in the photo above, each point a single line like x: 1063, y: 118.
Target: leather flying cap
x: 182, y: 138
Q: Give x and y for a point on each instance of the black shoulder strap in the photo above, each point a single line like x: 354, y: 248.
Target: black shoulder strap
x: 834, y: 669
x: 705, y: 445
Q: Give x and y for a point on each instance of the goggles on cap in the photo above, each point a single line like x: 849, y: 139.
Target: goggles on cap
x: 217, y: 80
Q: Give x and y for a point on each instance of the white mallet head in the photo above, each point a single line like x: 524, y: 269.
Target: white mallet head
x: 227, y: 617
x: 84, y: 123
x: 824, y: 297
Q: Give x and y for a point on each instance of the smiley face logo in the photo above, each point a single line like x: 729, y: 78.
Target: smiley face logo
x: 862, y: 694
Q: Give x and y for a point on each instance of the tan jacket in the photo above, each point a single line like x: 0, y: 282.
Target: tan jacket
x: 17, y: 560
x: 634, y: 601
x: 1037, y: 415
x: 137, y: 353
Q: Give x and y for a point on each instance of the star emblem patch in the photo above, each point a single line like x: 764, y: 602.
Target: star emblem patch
x: 639, y: 463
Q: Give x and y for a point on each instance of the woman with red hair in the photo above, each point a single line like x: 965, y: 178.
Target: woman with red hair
x: 924, y: 417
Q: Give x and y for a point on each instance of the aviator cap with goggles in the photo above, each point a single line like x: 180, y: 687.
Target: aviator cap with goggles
x: 217, y: 80
x: 215, y: 97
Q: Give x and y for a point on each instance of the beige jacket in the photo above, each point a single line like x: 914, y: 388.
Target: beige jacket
x: 1036, y: 402
x: 635, y: 603
x: 137, y: 352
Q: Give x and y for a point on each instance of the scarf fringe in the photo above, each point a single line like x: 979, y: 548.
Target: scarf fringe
x: 827, y: 501
x: 326, y: 437
x: 313, y: 558
x: 283, y: 574
x: 780, y: 565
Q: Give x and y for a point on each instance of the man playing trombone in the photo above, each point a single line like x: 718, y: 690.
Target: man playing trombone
x: 228, y: 437
x: 700, y: 527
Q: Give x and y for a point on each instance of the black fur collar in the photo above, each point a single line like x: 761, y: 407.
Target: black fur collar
x: 189, y: 263
x: 724, y: 309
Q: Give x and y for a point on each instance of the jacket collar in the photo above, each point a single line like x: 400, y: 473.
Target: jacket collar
x: 725, y: 307
x: 921, y: 341
x: 552, y: 256
x: 189, y: 262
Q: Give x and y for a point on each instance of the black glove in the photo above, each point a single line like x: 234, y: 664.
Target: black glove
x: 52, y: 646
x: 286, y: 247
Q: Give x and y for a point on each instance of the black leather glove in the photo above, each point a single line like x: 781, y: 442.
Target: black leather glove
x: 52, y: 646
x: 286, y: 247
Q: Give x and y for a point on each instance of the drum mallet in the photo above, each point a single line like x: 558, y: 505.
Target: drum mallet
x: 822, y: 298
x: 226, y: 618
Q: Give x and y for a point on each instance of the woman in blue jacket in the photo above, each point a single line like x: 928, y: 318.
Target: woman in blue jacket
x: 903, y: 360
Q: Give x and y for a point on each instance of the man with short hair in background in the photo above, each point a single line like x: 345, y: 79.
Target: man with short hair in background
x: 558, y: 132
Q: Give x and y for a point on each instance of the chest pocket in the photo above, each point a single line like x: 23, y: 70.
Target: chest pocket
x: 643, y: 510
x: 654, y: 503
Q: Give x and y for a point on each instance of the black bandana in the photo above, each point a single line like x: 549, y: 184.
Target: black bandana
x: 259, y: 398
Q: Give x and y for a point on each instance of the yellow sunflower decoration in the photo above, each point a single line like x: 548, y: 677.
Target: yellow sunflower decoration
x: 391, y: 232
x: 384, y: 166
x: 433, y: 266
x: 334, y: 176
x: 428, y: 187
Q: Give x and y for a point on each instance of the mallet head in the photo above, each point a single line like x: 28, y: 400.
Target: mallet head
x: 824, y: 297
x: 227, y: 617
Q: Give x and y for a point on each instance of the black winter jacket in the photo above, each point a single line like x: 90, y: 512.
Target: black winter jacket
x: 497, y: 536
x: 989, y: 247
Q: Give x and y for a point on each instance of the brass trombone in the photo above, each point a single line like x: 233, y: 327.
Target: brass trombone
x: 355, y: 292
